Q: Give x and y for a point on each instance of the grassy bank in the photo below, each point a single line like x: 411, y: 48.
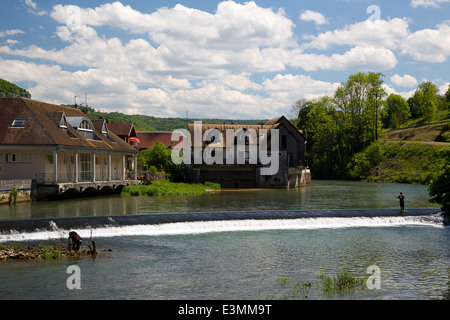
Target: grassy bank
x: 408, y: 155
x: 164, y: 187
x: 407, y: 163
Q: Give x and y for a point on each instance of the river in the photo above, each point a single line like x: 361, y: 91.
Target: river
x: 235, y: 244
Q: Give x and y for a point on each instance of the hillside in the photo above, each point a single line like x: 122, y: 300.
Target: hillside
x: 411, y: 154
x: 8, y: 89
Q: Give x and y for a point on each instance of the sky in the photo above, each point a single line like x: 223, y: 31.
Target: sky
x: 218, y: 59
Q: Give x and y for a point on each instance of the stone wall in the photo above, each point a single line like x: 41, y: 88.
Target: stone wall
x: 23, y: 186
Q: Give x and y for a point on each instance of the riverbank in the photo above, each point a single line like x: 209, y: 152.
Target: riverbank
x: 39, y: 252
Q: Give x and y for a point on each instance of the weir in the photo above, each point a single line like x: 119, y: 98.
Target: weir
x: 183, y: 223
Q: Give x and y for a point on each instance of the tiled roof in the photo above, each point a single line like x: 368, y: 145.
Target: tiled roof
x: 42, y: 127
x: 148, y: 139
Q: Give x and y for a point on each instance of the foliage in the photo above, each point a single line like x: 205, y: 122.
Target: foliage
x: 50, y: 252
x: 159, y: 157
x: 397, y: 111
x: 339, y: 127
x: 342, y: 131
x: 163, y: 187
x: 342, y: 282
x: 8, y: 89
x: 14, y: 193
x: 363, y: 162
x: 425, y: 100
x: 439, y: 188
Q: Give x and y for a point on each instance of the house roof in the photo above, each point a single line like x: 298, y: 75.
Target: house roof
x: 269, y: 125
x: 148, y: 139
x: 42, y: 127
x: 122, y: 129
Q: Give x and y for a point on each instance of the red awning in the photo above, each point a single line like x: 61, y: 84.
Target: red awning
x: 133, y: 139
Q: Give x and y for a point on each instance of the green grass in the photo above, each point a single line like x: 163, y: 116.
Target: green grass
x: 408, y: 163
x: 164, y: 187
x: 328, y: 285
x: 50, y: 252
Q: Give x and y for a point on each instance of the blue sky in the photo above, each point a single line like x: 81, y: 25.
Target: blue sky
x: 218, y: 59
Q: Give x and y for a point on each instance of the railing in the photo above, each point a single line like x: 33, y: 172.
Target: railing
x: 45, y: 178
x: 49, y: 179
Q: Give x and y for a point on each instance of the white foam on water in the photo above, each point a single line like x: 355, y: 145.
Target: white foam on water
x: 226, y: 226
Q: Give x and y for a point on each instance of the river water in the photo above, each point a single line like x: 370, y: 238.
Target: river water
x: 235, y: 244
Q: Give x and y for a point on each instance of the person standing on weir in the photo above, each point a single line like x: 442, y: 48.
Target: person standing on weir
x: 401, y: 197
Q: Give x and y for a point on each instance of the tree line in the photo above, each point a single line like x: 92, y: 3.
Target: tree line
x: 338, y: 127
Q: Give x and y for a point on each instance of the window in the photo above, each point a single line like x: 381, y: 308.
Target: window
x: 85, y: 173
x: 20, y: 157
x: 18, y: 123
x: 283, y: 142
x: 85, y: 125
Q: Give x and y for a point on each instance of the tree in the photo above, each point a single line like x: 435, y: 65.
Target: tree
x: 360, y: 99
x: 397, y: 111
x: 425, y: 100
x: 447, y: 98
x: 160, y: 157
x: 439, y: 189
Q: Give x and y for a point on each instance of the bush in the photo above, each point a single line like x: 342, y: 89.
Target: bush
x: 439, y: 189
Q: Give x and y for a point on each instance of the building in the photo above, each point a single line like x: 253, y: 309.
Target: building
x: 236, y: 156
x: 58, y: 150
x: 149, y: 138
x: 124, y: 131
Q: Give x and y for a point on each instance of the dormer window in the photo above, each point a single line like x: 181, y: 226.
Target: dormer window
x: 85, y: 125
x: 18, y: 123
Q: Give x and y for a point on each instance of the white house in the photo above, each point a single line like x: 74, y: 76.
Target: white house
x: 57, y: 146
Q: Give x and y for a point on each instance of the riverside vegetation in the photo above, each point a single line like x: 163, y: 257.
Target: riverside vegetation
x: 328, y: 285
x: 360, y: 133
x: 164, y: 187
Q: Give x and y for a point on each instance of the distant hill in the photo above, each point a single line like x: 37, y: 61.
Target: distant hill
x: 8, y: 89
x: 150, y: 123
x: 141, y: 122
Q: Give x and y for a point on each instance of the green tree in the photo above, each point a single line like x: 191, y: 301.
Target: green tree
x: 425, y: 100
x: 160, y: 157
x: 397, y: 111
x: 360, y: 99
x: 439, y: 189
x: 328, y: 149
x: 447, y: 98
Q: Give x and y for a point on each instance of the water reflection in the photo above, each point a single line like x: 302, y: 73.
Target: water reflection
x: 320, y: 195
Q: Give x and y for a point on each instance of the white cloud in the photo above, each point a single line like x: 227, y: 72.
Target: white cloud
x: 404, y: 81
x: 388, y: 34
x: 443, y: 89
x: 10, y: 32
x: 182, y: 59
x: 362, y: 58
x: 317, y: 17
x: 31, y: 4
x: 34, y: 9
x: 427, y: 3
x: 430, y: 45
